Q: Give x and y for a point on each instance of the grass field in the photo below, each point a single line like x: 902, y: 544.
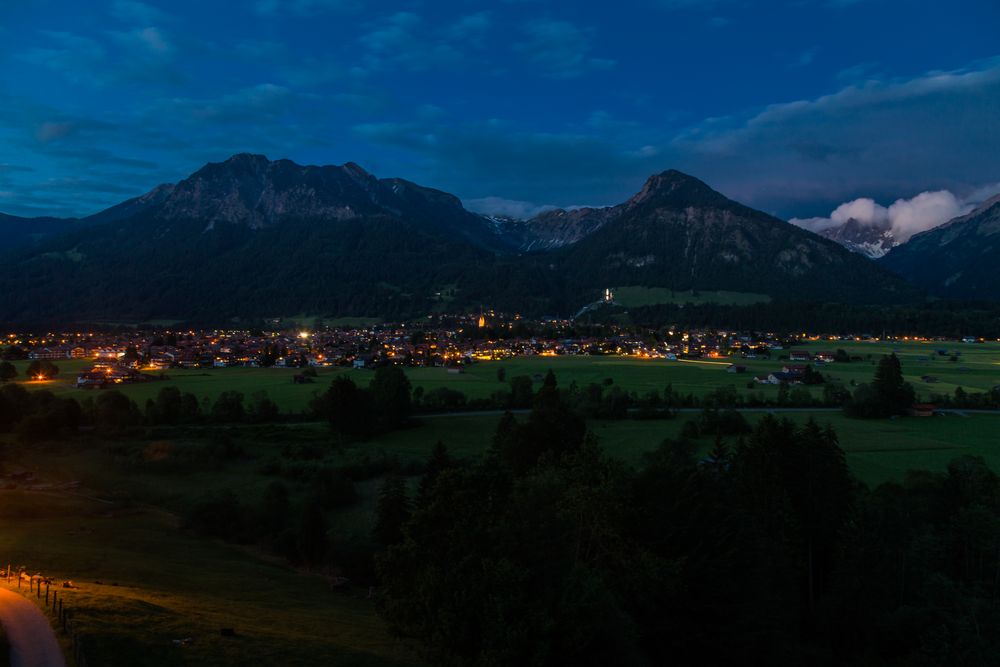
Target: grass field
x: 160, y: 583
x: 977, y: 369
x: 877, y: 451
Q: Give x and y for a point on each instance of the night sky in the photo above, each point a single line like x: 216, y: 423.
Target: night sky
x: 790, y: 106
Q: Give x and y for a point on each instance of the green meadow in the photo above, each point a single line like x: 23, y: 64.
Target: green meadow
x: 123, y: 525
x: 977, y: 368
x: 145, y: 580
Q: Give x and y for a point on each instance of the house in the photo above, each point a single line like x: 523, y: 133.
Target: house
x: 103, y: 375
x: 736, y: 368
x: 48, y: 353
x: 799, y: 355
x: 794, y: 369
x: 762, y: 379
x: 825, y: 357
x: 362, y: 361
x: 922, y: 409
x: 91, y: 379
x: 778, y: 378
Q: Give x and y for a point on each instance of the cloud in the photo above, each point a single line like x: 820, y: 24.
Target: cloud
x: 260, y: 103
x: 559, y: 49
x: 706, y: 5
x: 401, y: 42
x: 79, y: 59
x: 131, y: 11
x: 805, y: 58
x: 150, y: 42
x: 926, y: 210
x: 510, y: 208
x: 472, y: 26
x: 304, y: 8
x: 49, y: 131
x: 905, y: 217
x: 9, y: 168
x: 877, y: 138
x: 56, y: 129
x: 143, y: 55
x: 405, y: 41
x: 863, y: 209
x: 477, y: 160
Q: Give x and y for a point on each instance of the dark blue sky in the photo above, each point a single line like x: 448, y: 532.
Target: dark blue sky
x: 791, y: 105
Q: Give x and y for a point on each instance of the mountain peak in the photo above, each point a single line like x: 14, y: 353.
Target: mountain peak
x: 247, y: 159
x: 988, y: 204
x: 356, y: 171
x: 675, y: 188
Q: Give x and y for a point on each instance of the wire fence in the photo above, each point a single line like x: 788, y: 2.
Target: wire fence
x: 52, y: 603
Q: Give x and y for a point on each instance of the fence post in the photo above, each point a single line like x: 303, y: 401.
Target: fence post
x: 46, y: 594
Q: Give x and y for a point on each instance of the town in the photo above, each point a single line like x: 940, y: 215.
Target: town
x: 444, y: 341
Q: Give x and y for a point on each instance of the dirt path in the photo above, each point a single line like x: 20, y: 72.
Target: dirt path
x: 32, y: 641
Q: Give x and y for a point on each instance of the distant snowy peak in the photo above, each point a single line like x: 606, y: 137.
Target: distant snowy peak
x: 871, y: 240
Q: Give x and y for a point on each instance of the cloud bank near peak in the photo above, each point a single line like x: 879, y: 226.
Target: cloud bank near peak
x: 904, y: 217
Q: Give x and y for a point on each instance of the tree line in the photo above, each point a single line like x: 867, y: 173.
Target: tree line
x: 547, y: 551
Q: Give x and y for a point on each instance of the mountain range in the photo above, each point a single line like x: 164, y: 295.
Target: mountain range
x: 253, y: 238
x: 958, y: 259
x: 873, y: 240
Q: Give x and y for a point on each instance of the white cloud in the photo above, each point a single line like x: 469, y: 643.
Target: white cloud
x: 863, y: 209
x: 905, y: 217
x: 926, y: 210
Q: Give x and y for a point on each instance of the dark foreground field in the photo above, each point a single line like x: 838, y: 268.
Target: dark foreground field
x: 115, y: 514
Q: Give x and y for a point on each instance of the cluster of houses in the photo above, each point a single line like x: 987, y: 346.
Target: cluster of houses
x: 443, y: 340
x: 790, y: 373
x: 108, y: 374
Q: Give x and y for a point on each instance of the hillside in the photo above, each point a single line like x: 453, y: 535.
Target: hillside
x: 17, y: 232
x: 253, y: 238
x: 679, y: 233
x: 959, y: 259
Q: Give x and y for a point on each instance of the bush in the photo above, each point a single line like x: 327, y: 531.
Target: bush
x: 220, y: 515
x: 42, y: 369
x: 332, y: 489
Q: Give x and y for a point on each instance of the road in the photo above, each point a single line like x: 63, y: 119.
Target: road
x: 32, y: 641
x: 773, y: 410
x: 489, y: 413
